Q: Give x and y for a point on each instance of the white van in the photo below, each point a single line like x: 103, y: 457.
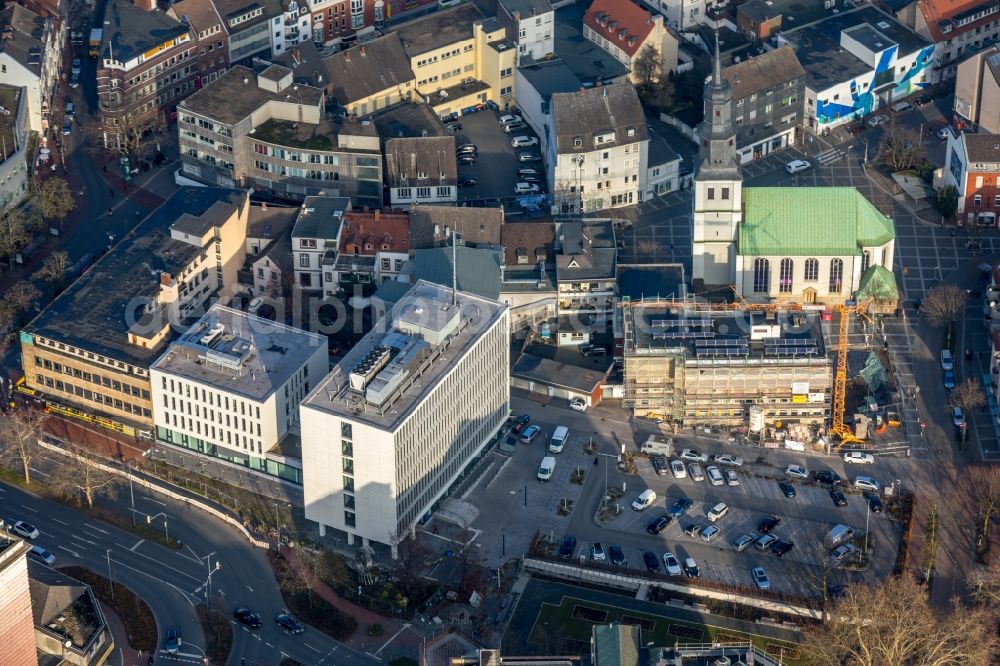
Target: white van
x: 645, y: 499
x: 546, y: 468
x: 558, y: 441
x: 838, y: 535
x: 899, y: 107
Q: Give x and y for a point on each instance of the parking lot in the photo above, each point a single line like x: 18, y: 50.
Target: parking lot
x: 496, y: 168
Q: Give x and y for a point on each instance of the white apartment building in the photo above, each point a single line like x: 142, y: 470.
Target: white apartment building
x: 31, y: 58
x: 532, y: 22
x: 230, y: 388
x: 292, y: 28
x: 598, y: 149
x: 316, y: 232
x: 394, y: 425
x: 680, y: 14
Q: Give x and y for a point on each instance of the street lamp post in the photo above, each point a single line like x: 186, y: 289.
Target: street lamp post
x: 606, y: 456
x: 131, y: 494
x: 211, y: 571
x: 149, y: 521
x: 111, y: 577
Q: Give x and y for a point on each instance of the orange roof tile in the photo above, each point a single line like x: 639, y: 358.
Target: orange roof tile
x: 375, y: 232
x: 937, y: 12
x: 622, y: 22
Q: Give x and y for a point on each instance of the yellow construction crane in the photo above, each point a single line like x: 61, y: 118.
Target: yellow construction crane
x: 845, y: 434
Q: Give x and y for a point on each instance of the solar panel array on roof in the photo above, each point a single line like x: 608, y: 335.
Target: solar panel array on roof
x: 681, y: 323
x: 790, y: 347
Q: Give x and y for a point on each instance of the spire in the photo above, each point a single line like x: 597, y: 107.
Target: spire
x: 717, y: 73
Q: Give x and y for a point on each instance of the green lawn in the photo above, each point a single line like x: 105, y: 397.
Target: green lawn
x: 662, y: 630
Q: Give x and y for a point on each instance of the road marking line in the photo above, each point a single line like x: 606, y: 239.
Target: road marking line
x: 268, y: 644
x: 137, y: 544
x: 161, y: 564
x: 150, y: 499
x: 96, y: 529
x: 28, y: 508
x: 56, y: 520
x: 312, y: 648
x: 71, y: 552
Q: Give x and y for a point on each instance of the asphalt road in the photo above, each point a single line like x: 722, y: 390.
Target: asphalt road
x: 172, y: 582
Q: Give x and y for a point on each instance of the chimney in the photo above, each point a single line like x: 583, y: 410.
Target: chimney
x: 378, y: 215
x: 263, y: 205
x: 362, y: 49
x: 347, y: 56
x: 145, y: 5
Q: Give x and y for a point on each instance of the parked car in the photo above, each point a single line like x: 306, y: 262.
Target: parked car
x: 453, y: 126
x: 691, y: 569
x: 828, y: 477
x: 875, y: 121
x: 173, y: 641
x: 289, y: 624
x: 76, y: 66
x: 523, y: 141
x: 528, y: 157
x: 678, y: 469
x: 859, y: 458
x: 766, y: 525
x: 760, y: 578
x: 943, y: 133
x: 466, y: 160
x: 528, y: 171
x: 867, y: 483
x: 660, y: 465
x: 42, y: 555
x: 947, y: 361
x: 651, y: 561
x: 617, y: 555
x: 710, y: 533
x: 843, y: 551
x: 24, y: 530
x: 764, y: 541
x: 680, y: 507
x: 70, y: 108
x: 717, y: 512
x: 714, y: 475
x: 957, y: 417
x: 732, y: 478
x: 797, y: 471
x: 782, y: 547
x: 597, y: 552
x: 467, y: 149
x: 467, y: 182
x: 530, y: 433
x: 949, y: 379
x: 726, y: 459
x: 671, y: 565
x: 578, y: 405
x: 659, y: 524
x: 839, y: 498
x: 923, y: 99
x: 510, y: 118
x: 67, y: 126
x: 795, y: 166
x: 696, y: 472
x: 567, y: 547
x: 874, y: 503
x: 787, y: 488
x: 742, y: 542
x: 74, y: 80
x: 514, y: 127
x: 693, y: 455
x: 247, y: 618
x: 526, y: 188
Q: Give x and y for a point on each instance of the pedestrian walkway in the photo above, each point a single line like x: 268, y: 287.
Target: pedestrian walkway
x: 124, y: 654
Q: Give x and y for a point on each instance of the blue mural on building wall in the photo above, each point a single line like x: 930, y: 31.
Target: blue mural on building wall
x: 863, y: 101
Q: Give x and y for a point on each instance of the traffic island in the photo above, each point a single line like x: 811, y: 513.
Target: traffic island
x: 140, y: 625
x: 296, y: 590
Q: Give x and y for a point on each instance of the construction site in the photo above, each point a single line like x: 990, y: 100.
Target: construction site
x: 763, y: 370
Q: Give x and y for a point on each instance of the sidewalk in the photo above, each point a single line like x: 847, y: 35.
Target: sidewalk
x: 123, y: 654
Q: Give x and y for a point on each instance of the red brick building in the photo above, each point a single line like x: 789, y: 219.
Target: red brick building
x: 972, y: 165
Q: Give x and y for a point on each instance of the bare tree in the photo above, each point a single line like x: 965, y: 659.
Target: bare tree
x: 984, y: 486
x: 984, y: 585
x: 134, y: 137
x: 8, y: 315
x: 942, y: 304
x: 81, y: 476
x: 19, y: 440
x: 54, y: 267
x: 646, y: 67
x: 13, y: 234
x: 969, y: 395
x: 901, y: 147
x: 893, y: 623
x: 22, y: 296
x: 55, y: 199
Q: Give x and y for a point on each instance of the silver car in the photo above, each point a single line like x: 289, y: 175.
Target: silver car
x: 696, y: 472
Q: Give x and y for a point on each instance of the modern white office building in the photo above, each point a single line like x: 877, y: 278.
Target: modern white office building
x: 403, y: 415
x: 230, y: 388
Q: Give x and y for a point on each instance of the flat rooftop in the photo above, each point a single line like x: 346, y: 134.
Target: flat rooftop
x: 589, y: 62
x: 94, y: 312
x: 408, y: 120
x: 818, y: 48
x: 402, y: 359
x: 235, y: 95
x: 438, y: 29
x: 323, y: 136
x: 550, y: 76
x: 725, y: 336
x: 239, y: 352
x: 131, y: 31
x: 640, y: 281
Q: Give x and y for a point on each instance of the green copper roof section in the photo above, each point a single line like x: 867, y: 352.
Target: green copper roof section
x: 878, y: 283
x: 616, y: 645
x: 810, y: 221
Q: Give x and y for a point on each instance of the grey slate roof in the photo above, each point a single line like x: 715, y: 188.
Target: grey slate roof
x: 478, y: 269
x: 475, y: 226
x: 23, y: 34
x: 588, y: 251
x: 321, y: 217
x: 438, y: 29
x: 557, y: 373
x: 612, y: 108
x: 982, y: 147
x: 133, y: 31
x: 352, y: 76
x: 763, y: 71
x: 421, y: 161
x: 529, y: 241
x: 229, y: 9
x: 527, y: 8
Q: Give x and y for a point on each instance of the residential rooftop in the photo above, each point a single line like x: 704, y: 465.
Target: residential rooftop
x: 421, y: 161
x: 550, y: 76
x: 10, y: 99
x: 723, y: 336
x: 590, y: 63
x: 408, y: 120
x: 23, y: 31
x: 237, y: 94
x: 438, y: 29
x: 587, y: 251
x: 579, y: 117
x: 560, y: 373
x: 94, y: 312
x: 239, y: 353
x: 322, y: 136
x: 478, y: 269
x: 762, y: 72
x: 405, y: 356
x: 367, y: 69
x: 130, y: 31
x: 527, y: 8
x: 321, y: 217
x: 818, y: 45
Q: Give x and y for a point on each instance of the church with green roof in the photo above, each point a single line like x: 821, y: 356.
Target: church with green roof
x: 822, y: 245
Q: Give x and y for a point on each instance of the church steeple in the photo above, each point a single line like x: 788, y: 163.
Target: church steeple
x: 717, y: 133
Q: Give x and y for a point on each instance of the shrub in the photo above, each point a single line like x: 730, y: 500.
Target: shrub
x: 133, y: 611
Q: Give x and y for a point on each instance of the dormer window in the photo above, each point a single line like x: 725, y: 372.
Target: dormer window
x: 630, y: 131
x: 577, y: 141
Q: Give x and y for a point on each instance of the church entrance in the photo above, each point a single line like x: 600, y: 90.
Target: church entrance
x: 809, y: 295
